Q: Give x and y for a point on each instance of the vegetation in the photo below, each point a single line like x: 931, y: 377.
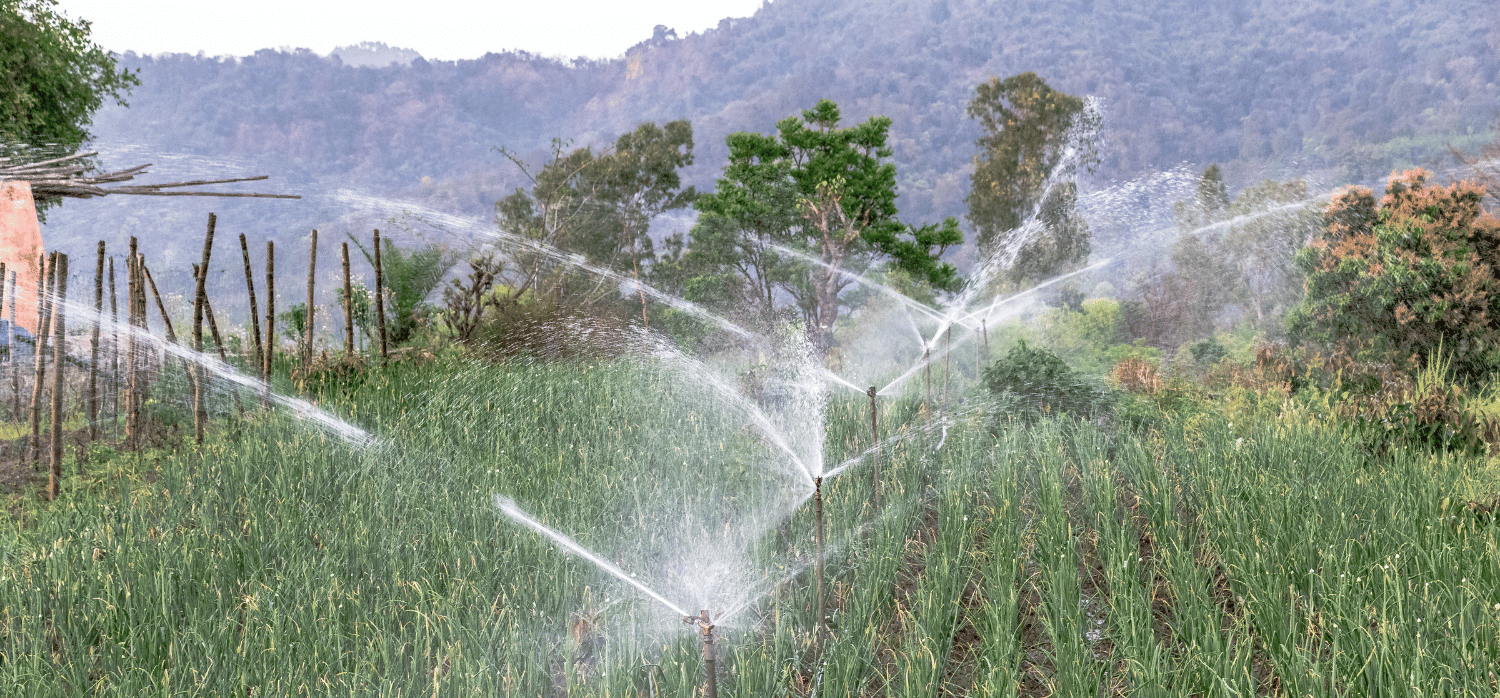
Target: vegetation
x: 1034, y: 138
x: 53, y: 76
x: 1409, y: 280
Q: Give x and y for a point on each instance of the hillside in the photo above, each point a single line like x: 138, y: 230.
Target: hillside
x: 1269, y: 87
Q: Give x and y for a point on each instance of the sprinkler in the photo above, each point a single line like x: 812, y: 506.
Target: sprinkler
x: 874, y: 439
x: 927, y: 370
x: 706, y: 624
x: 818, y: 559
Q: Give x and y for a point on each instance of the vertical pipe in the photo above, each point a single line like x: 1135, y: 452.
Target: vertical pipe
x: 254, y: 310
x: 60, y: 356
x: 348, y: 306
x: 985, y: 333
x: 927, y: 371
x: 93, y: 404
x: 307, y: 328
x: 875, y: 445
x: 818, y: 560
x: 380, y: 298
x: 710, y: 676
x: 947, y: 362
x: 200, y: 410
x: 270, y: 315
x: 44, y: 286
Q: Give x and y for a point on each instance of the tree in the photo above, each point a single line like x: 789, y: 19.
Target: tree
x: 409, y: 276
x: 599, y: 205
x: 1407, y: 280
x: 52, y: 76
x: 1033, y: 139
x: 821, y: 190
x: 1209, y: 205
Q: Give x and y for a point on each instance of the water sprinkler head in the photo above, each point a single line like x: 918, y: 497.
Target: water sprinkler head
x: 872, y: 392
x: 703, y: 620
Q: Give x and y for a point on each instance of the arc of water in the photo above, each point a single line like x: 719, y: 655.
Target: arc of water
x: 508, y: 507
x: 900, y: 297
x: 627, y: 284
x: 304, y: 410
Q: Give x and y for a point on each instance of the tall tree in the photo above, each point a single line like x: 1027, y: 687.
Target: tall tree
x: 52, y: 75
x: 1033, y: 139
x: 1209, y: 204
x: 822, y: 190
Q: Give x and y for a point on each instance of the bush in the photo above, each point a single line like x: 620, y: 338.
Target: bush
x: 1029, y: 383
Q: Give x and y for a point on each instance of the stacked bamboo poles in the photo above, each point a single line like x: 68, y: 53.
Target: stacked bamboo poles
x: 68, y: 177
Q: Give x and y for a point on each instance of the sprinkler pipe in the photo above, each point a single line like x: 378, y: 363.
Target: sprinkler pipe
x: 706, y: 624
x: 818, y: 559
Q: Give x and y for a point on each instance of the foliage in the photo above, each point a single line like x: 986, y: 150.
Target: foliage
x: 821, y: 190
x: 409, y: 276
x: 1030, y: 383
x: 1398, y: 282
x: 1208, y: 351
x: 362, y: 310
x: 52, y: 75
x: 294, y: 323
x: 1027, y: 154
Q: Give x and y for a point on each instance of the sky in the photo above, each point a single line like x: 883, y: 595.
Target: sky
x: 437, y: 29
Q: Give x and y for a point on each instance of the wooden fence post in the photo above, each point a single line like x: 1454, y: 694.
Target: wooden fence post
x: 114, y: 351
x: 200, y: 410
x: 93, y: 406
x: 380, y: 299
x: 60, y: 358
x: 44, y: 286
x: 307, y: 327
x: 254, y: 310
x: 348, y: 305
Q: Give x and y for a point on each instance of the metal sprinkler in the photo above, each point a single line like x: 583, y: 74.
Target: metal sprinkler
x: 818, y: 559
x: 706, y: 624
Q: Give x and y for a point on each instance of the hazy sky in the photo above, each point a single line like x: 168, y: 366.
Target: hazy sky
x: 440, y: 29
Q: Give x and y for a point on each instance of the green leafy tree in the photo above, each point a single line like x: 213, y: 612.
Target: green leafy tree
x: 52, y: 75
x: 1408, y: 281
x: 1210, y: 204
x: 599, y: 205
x: 1033, y: 137
x: 823, y: 190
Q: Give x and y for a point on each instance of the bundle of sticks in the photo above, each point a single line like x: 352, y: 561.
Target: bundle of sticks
x: 70, y: 176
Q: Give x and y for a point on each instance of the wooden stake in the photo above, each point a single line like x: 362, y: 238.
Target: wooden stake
x: 254, y: 311
x: 200, y: 410
x: 93, y: 406
x: 44, y: 286
x: 380, y: 299
x: 15, y: 362
x: 60, y: 357
x: 270, y: 312
x: 114, y: 346
x: 307, y: 328
x: 132, y: 405
x: 348, y: 305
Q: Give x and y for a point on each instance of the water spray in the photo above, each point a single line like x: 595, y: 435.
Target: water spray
x: 706, y: 624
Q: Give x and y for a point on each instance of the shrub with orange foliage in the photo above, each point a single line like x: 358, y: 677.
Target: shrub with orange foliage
x: 1397, y: 282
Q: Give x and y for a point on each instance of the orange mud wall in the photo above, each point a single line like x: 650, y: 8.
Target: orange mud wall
x: 20, y: 246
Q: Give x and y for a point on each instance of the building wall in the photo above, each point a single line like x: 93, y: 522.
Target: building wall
x: 20, y: 248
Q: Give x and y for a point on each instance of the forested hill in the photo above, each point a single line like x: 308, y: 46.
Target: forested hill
x: 1270, y: 87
